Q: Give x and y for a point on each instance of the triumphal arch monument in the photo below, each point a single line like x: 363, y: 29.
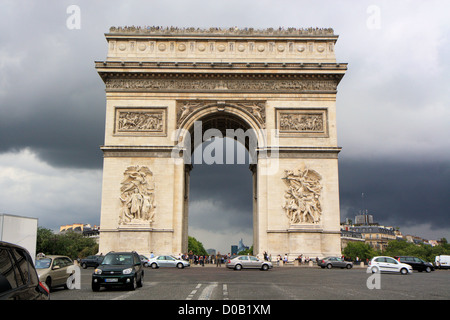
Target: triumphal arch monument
x: 169, y: 89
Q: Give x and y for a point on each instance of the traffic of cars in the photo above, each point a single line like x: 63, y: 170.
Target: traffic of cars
x: 21, y: 279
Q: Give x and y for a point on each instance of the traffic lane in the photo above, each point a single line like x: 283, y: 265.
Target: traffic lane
x: 287, y: 283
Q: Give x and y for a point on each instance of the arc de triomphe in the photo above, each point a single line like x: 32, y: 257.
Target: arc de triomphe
x: 167, y: 89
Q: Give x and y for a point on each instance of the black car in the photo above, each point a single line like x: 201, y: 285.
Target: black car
x: 91, y: 261
x: 119, y: 269
x: 18, y: 277
x: 416, y: 263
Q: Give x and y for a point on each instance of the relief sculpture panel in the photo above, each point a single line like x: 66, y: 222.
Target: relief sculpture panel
x: 308, y: 122
x: 146, y: 121
x: 302, y: 198
x: 137, y: 196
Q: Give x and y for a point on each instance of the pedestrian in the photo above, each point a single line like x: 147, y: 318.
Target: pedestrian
x: 218, y: 260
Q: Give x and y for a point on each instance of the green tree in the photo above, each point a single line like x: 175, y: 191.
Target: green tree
x: 71, y: 244
x: 248, y: 251
x: 359, y: 249
x: 196, y: 247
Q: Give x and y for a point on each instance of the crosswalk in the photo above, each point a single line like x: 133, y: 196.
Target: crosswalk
x: 205, y: 291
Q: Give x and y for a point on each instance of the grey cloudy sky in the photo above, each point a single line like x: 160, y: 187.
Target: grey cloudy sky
x: 393, y: 109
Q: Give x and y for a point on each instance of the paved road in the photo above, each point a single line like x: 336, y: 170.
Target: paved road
x: 285, y: 283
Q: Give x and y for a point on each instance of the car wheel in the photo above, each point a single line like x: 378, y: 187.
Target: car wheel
x: 133, y: 283
x: 180, y: 265
x: 329, y: 266
x: 154, y: 265
x: 48, y: 282
x: 95, y: 287
x: 428, y: 269
x: 349, y: 266
x: 265, y: 267
x: 404, y: 271
x: 237, y: 267
x: 84, y: 265
x: 374, y: 270
x: 140, y: 283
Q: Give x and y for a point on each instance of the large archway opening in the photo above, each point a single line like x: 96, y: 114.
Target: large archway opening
x: 220, y: 202
x: 220, y: 198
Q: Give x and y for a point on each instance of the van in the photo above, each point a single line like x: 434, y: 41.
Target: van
x: 442, y: 262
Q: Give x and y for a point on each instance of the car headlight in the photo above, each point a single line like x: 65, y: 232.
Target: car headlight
x: 127, y: 271
x: 98, y: 271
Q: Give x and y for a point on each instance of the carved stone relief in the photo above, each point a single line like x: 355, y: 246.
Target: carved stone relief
x: 241, y: 85
x: 302, y: 198
x: 147, y: 121
x: 302, y: 122
x: 256, y: 109
x: 137, y: 196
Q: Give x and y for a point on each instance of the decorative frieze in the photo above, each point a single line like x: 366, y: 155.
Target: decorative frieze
x: 302, y: 122
x: 141, y: 121
x: 223, y: 84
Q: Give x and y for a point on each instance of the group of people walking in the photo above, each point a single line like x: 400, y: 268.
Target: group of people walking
x: 201, y: 260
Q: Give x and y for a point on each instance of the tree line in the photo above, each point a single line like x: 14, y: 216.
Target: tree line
x: 71, y: 244
x: 396, y: 248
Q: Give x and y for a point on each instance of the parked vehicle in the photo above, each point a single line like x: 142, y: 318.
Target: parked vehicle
x: 416, y: 263
x: 119, y: 269
x: 91, y: 261
x: 144, y: 260
x: 442, y: 262
x: 52, y: 269
x: 336, y: 262
x: 18, y: 277
x: 388, y: 264
x: 168, y: 261
x: 248, y: 262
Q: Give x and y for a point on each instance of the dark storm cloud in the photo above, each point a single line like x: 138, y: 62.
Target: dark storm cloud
x: 396, y: 193
x: 222, y: 191
x: 393, y: 99
x: 51, y: 98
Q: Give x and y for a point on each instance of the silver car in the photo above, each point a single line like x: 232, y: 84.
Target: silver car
x: 167, y: 261
x: 330, y: 262
x: 245, y: 262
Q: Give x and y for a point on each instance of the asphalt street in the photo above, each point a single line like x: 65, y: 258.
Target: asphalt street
x: 279, y: 283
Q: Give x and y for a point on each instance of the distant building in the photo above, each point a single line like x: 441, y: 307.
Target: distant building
x: 376, y: 236
x: 234, y: 250
x: 364, y: 219
x: 350, y: 236
x: 84, y: 228
x: 241, y: 246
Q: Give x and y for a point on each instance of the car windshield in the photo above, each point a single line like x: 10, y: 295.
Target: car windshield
x: 117, y: 259
x: 43, y: 263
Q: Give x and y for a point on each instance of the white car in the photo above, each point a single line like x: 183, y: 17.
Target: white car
x: 388, y: 264
x: 167, y: 261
